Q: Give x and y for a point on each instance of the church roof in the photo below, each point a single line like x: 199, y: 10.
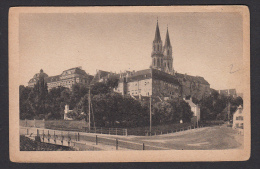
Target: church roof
x: 167, y: 40
x: 52, y: 79
x: 157, y: 37
x: 160, y: 75
x: 196, y: 79
x: 100, y: 74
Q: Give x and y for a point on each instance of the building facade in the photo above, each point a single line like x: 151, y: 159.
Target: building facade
x: 160, y: 80
x: 228, y: 92
x: 66, y: 79
x: 238, y: 120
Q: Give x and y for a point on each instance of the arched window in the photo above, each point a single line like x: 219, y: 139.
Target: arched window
x: 168, y: 52
x: 158, y: 62
x: 154, y: 61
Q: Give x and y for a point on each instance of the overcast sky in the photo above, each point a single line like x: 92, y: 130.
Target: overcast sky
x: 204, y: 44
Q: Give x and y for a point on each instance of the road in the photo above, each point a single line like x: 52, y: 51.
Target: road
x: 207, y: 138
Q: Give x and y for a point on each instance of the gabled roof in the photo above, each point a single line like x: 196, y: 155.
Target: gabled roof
x: 52, y: 79
x: 76, y: 70
x: 100, y: 74
x: 190, y: 103
x: 197, y: 79
x: 160, y: 75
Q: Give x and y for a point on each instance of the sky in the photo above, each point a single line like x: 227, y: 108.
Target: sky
x: 203, y: 44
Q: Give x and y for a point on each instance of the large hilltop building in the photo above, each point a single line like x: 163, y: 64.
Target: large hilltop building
x: 66, y: 79
x: 160, y: 80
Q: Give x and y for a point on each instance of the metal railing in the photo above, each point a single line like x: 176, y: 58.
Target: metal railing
x: 77, y: 139
x: 109, y: 131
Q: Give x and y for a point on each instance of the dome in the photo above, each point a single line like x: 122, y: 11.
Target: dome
x: 37, y: 75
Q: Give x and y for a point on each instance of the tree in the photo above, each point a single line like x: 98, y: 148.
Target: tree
x: 163, y: 112
x: 25, y: 112
x: 56, y: 99
x: 78, y: 91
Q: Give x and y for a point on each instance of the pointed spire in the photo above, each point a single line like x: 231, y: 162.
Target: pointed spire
x: 157, y: 37
x: 167, y: 39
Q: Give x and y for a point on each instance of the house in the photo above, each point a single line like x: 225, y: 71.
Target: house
x: 238, y: 118
x: 66, y: 111
x: 194, y: 108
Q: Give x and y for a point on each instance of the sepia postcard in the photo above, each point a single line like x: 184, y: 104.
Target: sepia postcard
x: 129, y: 84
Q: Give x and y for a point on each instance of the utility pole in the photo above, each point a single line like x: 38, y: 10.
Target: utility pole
x: 150, y: 115
x: 228, y: 111
x: 89, y: 108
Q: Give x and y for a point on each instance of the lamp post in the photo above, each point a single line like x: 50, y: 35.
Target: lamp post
x: 228, y: 111
x: 89, y: 108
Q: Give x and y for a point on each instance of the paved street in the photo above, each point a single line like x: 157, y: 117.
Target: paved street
x: 209, y: 138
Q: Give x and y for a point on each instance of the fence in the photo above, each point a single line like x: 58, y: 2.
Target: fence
x: 75, y: 139
x: 110, y: 131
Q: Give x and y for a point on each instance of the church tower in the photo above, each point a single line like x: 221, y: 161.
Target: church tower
x: 167, y: 52
x: 157, y: 53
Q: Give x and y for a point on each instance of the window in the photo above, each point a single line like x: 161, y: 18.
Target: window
x: 242, y: 125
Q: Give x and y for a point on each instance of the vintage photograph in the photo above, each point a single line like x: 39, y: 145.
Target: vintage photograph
x: 131, y: 79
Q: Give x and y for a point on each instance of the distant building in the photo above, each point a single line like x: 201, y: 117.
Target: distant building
x: 66, y: 79
x: 228, y: 92
x: 240, y: 95
x: 194, y: 108
x: 66, y: 111
x: 238, y: 119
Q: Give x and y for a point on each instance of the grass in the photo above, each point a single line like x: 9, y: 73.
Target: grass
x: 158, y: 129
x: 68, y: 125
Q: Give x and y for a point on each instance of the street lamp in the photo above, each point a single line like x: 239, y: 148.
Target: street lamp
x: 89, y: 108
x: 89, y: 104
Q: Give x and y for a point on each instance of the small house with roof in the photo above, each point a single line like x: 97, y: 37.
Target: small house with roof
x: 194, y: 108
x: 238, y: 118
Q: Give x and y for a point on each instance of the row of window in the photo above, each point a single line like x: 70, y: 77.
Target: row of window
x: 239, y: 118
x: 166, y: 84
x: 70, y: 82
x: 135, y: 92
